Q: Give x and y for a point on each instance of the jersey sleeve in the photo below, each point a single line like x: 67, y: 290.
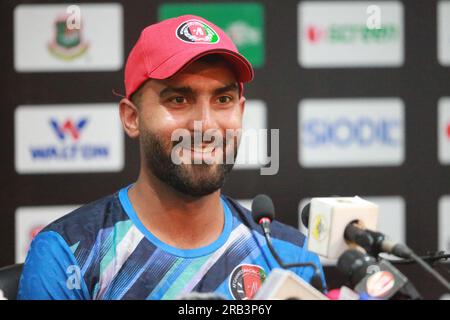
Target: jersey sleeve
x: 308, y: 256
x: 51, y: 271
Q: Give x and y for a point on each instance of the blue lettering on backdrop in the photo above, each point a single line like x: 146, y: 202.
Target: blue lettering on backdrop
x: 343, y: 132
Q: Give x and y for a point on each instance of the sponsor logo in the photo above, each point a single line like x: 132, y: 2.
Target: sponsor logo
x: 246, y: 280
x: 243, y: 23
x: 351, y: 132
x: 196, y: 31
x: 243, y: 34
x: 58, y: 37
x: 350, y: 33
x: 67, y: 44
x: 68, y: 127
x: 345, y: 34
x: 68, y: 138
x: 68, y: 148
x: 319, y: 227
x: 362, y: 131
x: 380, y: 283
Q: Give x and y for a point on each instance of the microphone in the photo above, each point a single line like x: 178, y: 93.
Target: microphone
x: 375, y: 280
x: 336, y: 223
x: 375, y: 242
x: 372, y: 242
x: 327, y: 219
x: 263, y: 213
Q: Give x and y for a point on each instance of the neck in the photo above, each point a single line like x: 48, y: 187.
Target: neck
x: 177, y: 219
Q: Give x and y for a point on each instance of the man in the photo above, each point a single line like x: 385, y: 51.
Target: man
x: 171, y: 233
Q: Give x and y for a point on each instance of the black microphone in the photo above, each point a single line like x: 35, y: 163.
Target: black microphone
x: 375, y: 279
x: 305, y: 214
x: 263, y: 213
x: 372, y: 242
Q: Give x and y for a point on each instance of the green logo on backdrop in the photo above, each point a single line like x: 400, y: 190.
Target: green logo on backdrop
x: 352, y: 33
x: 243, y: 22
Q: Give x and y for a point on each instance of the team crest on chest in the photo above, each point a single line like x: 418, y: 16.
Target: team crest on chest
x: 246, y: 280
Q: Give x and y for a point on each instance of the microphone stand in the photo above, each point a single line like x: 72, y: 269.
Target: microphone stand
x: 431, y: 258
x: 316, y: 280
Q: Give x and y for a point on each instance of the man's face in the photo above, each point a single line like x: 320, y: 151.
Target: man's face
x: 202, y: 92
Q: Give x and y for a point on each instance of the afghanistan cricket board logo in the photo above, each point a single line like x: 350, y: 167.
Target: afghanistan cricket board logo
x: 246, y: 280
x: 196, y: 31
x: 67, y: 44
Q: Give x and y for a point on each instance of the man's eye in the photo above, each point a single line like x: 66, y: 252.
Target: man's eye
x: 224, y: 99
x: 178, y: 99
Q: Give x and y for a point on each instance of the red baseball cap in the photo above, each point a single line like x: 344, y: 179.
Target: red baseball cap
x: 167, y: 47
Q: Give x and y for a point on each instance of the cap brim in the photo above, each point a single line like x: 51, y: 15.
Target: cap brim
x: 242, y: 68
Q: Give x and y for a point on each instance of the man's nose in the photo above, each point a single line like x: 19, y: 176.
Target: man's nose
x: 204, y: 114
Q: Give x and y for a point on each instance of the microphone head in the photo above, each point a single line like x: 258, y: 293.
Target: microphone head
x: 375, y: 280
x: 262, y: 207
x: 354, y: 265
x: 305, y: 215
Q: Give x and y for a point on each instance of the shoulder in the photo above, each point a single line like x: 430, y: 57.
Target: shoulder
x: 279, y: 230
x: 85, y: 222
x: 65, y: 249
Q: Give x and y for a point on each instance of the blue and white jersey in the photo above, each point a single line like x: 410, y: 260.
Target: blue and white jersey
x: 103, y: 251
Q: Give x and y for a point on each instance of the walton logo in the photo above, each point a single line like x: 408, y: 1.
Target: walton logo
x: 70, y: 147
x: 68, y: 128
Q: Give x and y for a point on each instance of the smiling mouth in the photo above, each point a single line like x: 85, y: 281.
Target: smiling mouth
x: 203, y: 150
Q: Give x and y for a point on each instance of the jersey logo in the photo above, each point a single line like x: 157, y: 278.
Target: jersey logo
x: 245, y: 281
x: 196, y: 31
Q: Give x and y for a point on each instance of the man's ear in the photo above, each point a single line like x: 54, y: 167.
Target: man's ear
x: 242, y: 104
x: 129, y: 115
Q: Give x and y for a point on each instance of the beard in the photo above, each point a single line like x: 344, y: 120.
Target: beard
x: 194, y: 180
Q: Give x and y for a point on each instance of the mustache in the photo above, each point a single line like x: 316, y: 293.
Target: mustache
x: 200, y: 139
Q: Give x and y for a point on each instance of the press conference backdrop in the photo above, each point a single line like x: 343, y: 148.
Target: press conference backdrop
x: 360, y: 91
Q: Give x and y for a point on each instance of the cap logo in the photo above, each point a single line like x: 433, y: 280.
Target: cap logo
x: 196, y: 31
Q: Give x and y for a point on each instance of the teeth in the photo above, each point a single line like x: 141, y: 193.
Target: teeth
x: 207, y: 149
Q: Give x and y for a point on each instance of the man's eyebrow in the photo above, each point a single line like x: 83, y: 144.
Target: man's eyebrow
x: 189, y: 91
x: 181, y: 90
x: 229, y: 87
